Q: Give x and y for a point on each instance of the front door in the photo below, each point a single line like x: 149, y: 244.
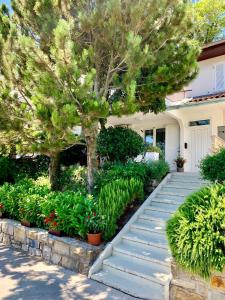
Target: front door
x: 200, y: 145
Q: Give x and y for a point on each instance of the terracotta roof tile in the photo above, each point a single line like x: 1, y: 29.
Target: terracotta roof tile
x: 207, y: 97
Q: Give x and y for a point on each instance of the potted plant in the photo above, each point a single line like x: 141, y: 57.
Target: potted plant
x: 1, y: 210
x: 93, y: 222
x: 152, y: 153
x: 52, y: 223
x: 180, y: 161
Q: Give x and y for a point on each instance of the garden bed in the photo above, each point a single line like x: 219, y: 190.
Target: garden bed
x: 69, y: 253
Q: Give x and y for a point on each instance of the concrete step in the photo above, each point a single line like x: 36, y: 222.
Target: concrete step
x: 167, y: 205
x: 189, y: 189
x: 195, y: 176
x: 144, y: 269
x: 149, y: 217
x: 130, y: 284
x: 144, y: 252
x: 160, y: 209
x: 184, y: 185
x: 187, y: 180
x: 149, y: 225
x: 174, y: 192
x: 164, y: 196
x: 144, y: 237
x: 156, y: 214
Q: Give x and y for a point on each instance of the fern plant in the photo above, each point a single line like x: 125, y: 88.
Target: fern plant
x: 196, y: 232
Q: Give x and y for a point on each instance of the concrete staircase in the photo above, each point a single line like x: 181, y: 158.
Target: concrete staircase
x: 137, y: 261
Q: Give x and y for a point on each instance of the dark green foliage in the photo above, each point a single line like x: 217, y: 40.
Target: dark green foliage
x: 158, y: 169
x: 71, y: 210
x: 76, y: 154
x: 213, y: 167
x: 31, y: 167
x: 121, y: 171
x: 142, y: 171
x: 118, y: 144
x: 74, y: 178
x: 29, y: 201
x: 196, y: 231
x: 7, y: 170
x: 113, y: 200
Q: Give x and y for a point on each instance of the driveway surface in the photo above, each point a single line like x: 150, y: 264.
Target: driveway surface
x: 27, y: 278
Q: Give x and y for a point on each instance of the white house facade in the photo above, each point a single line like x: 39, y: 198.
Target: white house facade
x: 193, y: 124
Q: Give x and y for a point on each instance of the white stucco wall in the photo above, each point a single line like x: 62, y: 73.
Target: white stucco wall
x: 213, y: 112
x: 205, y: 82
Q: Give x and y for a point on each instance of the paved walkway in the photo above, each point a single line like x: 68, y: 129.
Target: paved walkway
x: 28, y: 278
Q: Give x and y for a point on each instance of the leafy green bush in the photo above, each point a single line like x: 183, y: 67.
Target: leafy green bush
x: 74, y: 178
x: 196, y: 231
x: 213, y: 167
x: 119, y: 144
x: 30, y: 209
x: 158, y: 169
x: 122, y: 171
x: 27, y: 200
x: 31, y: 167
x: 70, y: 211
x: 113, y: 199
x: 7, y: 170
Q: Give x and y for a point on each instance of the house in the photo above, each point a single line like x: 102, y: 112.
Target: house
x: 193, y: 124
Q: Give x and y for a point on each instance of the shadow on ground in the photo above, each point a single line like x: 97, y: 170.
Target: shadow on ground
x: 23, y: 277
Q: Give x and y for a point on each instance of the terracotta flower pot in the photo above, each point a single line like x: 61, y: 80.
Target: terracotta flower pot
x: 26, y: 223
x: 180, y: 170
x: 94, y: 238
x: 55, y: 232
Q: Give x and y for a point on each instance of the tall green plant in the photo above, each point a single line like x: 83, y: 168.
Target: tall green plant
x: 113, y: 199
x: 196, y: 231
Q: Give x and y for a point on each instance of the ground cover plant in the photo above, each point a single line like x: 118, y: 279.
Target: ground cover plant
x: 196, y: 231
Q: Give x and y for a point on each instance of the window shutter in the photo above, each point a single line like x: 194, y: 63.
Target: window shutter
x: 220, y: 78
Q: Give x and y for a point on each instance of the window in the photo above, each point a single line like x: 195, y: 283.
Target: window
x: 199, y: 123
x: 160, y: 138
x: 149, y: 137
x: 220, y: 77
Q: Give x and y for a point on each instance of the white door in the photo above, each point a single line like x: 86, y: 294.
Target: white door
x: 200, y: 145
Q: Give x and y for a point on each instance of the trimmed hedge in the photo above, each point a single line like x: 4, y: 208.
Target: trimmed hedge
x: 213, y: 167
x: 119, y: 144
x: 196, y: 232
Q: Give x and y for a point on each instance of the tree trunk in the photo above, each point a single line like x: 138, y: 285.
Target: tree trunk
x: 54, y: 172
x: 92, y: 160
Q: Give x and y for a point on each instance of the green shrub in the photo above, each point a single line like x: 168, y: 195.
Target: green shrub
x: 30, y: 209
x: 196, y: 231
x: 158, y: 169
x: 7, y: 170
x: 119, y: 144
x: 31, y: 167
x: 213, y: 167
x: 122, y: 171
x: 113, y: 199
x: 74, y: 178
x: 70, y: 211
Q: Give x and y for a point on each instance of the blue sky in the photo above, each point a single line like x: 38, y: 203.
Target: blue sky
x: 5, y: 1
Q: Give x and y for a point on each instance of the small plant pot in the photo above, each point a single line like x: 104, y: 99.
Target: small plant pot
x: 55, y: 232
x: 180, y: 170
x: 26, y: 223
x: 94, y: 238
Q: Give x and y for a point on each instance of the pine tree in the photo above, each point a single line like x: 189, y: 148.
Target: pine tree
x: 68, y: 63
